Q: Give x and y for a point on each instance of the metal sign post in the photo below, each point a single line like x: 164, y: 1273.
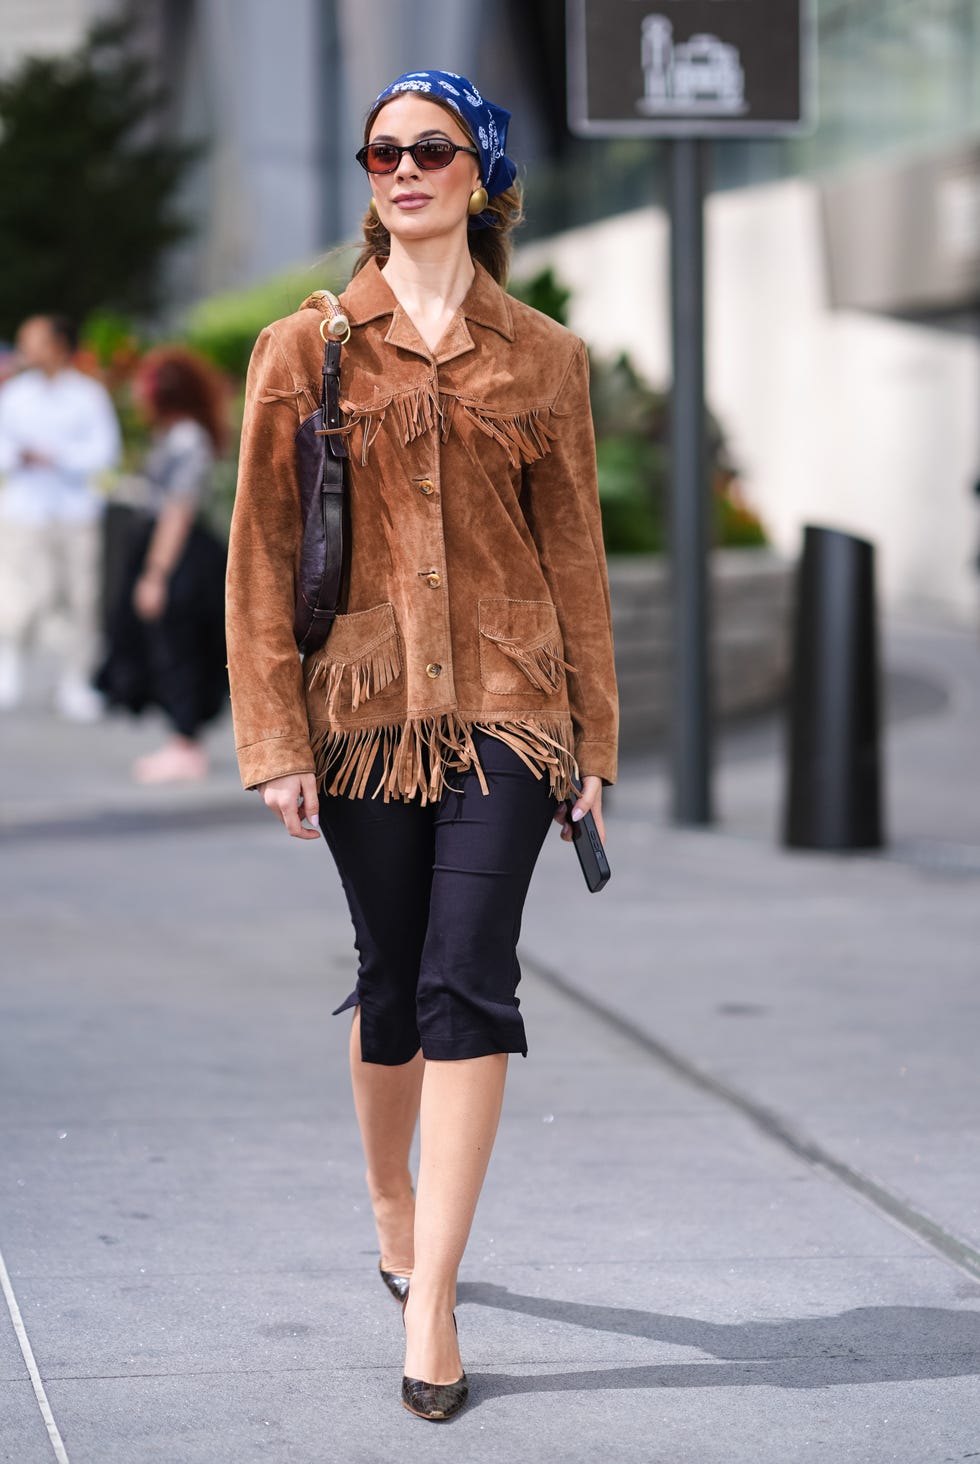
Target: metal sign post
x: 690, y: 529
x: 687, y: 70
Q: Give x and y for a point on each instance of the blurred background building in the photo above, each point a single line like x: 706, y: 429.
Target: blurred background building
x: 844, y: 266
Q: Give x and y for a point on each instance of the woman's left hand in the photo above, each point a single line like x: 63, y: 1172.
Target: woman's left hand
x: 150, y: 595
x: 588, y: 801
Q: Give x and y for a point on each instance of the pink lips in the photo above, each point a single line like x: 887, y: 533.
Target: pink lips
x: 411, y: 200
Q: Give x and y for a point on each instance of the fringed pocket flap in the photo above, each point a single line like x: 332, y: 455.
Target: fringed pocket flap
x: 520, y: 643
x: 365, y: 644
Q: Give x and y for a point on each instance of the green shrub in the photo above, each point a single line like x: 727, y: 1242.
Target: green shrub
x: 631, y: 481
x: 543, y: 292
x: 112, y: 339
x: 736, y: 526
x: 224, y: 327
x: 632, y: 426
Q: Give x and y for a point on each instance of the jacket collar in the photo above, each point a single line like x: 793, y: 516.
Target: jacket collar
x: 369, y: 297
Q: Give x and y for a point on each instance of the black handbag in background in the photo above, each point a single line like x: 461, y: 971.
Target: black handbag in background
x: 320, y: 458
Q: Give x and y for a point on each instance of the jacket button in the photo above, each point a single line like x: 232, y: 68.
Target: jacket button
x: 433, y: 580
x: 427, y: 486
x: 433, y: 669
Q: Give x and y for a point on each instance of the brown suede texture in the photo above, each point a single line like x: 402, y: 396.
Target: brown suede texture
x: 477, y: 593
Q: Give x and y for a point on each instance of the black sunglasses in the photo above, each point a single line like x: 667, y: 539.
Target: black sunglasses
x: 430, y: 154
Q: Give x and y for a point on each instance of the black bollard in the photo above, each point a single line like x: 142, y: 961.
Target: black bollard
x: 834, y: 783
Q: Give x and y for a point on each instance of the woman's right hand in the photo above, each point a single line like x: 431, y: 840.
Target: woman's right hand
x: 293, y: 798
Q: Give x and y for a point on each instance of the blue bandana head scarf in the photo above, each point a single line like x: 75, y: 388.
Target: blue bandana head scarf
x: 487, y: 123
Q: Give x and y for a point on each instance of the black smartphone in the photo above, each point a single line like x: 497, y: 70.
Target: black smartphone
x: 588, y: 847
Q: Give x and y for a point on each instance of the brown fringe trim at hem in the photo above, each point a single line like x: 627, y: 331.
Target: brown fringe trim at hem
x: 418, y: 754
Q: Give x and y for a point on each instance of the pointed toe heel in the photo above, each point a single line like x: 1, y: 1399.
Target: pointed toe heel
x: 436, y: 1402
x: 396, y: 1284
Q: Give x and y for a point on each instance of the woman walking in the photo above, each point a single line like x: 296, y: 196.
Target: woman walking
x: 434, y: 737
x: 166, y: 632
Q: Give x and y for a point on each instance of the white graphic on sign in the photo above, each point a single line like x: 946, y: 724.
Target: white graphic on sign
x: 703, y: 75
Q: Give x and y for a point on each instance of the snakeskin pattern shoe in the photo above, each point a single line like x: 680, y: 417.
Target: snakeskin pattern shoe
x: 434, y: 1401
x: 397, y: 1285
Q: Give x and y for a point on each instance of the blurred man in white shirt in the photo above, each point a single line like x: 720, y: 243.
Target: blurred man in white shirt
x: 58, y: 430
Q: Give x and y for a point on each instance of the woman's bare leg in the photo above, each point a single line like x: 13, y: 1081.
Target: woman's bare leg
x: 386, y: 1101
x: 460, y: 1110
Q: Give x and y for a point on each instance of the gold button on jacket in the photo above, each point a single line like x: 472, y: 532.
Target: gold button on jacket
x: 510, y: 634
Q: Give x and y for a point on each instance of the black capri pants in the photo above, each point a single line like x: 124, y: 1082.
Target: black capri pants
x: 436, y: 894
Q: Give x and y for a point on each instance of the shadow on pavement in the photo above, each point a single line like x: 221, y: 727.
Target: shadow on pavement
x: 868, y: 1344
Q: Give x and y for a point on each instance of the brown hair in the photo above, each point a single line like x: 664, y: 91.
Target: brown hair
x: 490, y: 247
x: 179, y: 383
x: 64, y: 329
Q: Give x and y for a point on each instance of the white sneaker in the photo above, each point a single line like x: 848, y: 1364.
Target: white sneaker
x: 76, y: 701
x: 11, y: 678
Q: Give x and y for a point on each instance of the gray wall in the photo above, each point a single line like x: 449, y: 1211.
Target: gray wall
x: 247, y: 81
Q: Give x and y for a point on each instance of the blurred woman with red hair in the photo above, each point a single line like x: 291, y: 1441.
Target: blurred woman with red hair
x: 166, y: 640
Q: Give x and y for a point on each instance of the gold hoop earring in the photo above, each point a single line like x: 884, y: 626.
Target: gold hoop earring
x: 373, y: 206
x: 478, y: 201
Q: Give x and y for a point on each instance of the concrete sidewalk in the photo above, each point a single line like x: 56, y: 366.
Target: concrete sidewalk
x: 733, y: 1212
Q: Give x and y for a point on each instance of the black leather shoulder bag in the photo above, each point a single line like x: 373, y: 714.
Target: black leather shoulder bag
x: 320, y: 457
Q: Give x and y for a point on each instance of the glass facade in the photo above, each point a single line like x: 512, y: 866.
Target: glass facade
x: 893, y: 76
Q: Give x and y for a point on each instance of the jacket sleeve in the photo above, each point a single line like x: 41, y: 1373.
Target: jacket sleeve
x: 264, y: 667
x: 563, y: 511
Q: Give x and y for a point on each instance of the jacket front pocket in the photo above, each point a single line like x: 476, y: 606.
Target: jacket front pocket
x: 520, y: 645
x: 361, y: 657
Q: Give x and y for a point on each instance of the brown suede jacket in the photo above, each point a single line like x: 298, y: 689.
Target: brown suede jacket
x: 477, y: 597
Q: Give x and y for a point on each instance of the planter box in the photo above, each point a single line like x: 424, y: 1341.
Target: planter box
x: 752, y: 598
